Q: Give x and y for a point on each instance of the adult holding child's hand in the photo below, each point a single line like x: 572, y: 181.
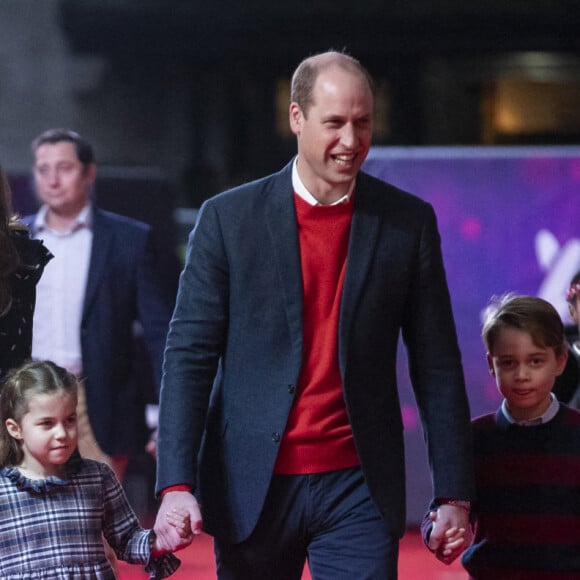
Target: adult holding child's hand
x: 450, y: 533
x: 178, y: 520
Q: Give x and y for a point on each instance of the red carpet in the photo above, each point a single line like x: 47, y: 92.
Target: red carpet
x: 415, y: 563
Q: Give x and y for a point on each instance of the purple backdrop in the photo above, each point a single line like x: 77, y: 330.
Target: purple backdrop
x: 510, y: 221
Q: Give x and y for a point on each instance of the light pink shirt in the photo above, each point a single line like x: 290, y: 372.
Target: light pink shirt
x: 60, y: 293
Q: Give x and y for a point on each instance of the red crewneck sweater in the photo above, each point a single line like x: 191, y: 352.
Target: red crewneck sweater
x: 318, y: 435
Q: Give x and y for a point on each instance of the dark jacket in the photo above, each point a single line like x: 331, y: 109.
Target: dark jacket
x: 238, y: 320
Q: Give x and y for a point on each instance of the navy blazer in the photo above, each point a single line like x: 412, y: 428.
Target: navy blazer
x: 234, y: 351
x: 123, y: 286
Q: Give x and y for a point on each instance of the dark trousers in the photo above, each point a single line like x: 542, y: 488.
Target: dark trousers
x: 327, y: 518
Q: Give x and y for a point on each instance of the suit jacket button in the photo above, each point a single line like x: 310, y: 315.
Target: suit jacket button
x: 291, y: 389
x: 276, y: 437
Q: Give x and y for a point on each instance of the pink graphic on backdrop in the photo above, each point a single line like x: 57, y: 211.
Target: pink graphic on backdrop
x: 410, y: 417
x: 471, y: 228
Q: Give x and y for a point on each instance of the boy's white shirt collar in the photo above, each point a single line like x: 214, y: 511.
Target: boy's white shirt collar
x: 550, y: 413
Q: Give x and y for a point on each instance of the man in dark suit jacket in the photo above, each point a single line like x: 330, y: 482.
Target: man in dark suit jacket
x: 279, y: 407
x: 104, y: 279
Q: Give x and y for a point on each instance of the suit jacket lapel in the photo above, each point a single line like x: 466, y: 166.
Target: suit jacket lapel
x: 102, y: 240
x: 364, y: 232
x: 283, y: 232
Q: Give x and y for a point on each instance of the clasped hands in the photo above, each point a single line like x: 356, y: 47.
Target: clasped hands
x: 450, y: 532
x: 178, y: 520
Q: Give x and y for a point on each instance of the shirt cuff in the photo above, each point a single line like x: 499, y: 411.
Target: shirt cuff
x: 462, y: 503
x: 177, y: 487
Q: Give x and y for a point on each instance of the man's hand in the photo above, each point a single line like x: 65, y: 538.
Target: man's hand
x: 175, y: 506
x: 451, y: 532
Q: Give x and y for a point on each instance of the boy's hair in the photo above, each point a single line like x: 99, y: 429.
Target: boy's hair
x: 32, y: 378
x: 530, y: 314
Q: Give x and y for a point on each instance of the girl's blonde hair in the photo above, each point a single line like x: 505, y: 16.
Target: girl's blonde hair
x: 32, y: 378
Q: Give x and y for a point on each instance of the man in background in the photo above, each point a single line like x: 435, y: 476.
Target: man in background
x: 104, y: 284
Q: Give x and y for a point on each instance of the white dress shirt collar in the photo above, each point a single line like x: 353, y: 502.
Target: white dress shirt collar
x: 301, y: 190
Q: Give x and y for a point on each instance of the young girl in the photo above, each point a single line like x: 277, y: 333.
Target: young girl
x: 55, y: 506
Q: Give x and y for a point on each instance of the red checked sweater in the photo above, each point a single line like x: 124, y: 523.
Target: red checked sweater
x: 318, y: 435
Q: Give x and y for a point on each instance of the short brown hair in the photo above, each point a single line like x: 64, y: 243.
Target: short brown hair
x: 530, y: 314
x: 305, y: 75
x: 83, y: 148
